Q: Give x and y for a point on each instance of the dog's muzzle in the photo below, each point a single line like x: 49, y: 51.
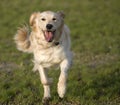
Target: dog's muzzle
x: 49, y: 33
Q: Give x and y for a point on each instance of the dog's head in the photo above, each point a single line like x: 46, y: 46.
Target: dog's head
x: 50, y: 23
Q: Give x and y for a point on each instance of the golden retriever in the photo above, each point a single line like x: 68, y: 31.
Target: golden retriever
x: 49, y: 41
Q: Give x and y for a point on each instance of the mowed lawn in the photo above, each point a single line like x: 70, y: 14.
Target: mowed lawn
x: 94, y: 78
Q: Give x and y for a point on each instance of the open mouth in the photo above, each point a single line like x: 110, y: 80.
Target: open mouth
x: 49, y: 35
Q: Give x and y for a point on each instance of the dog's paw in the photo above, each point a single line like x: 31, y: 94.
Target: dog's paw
x: 60, y: 99
x: 46, y: 101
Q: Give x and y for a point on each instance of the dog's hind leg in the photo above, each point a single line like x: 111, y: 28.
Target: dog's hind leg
x: 46, y: 83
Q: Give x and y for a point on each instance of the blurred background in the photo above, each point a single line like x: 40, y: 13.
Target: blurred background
x: 94, y: 78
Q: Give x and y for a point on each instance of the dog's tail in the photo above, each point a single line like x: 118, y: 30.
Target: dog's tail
x: 22, y: 39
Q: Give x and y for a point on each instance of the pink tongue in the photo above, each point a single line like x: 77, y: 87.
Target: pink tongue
x: 48, y: 36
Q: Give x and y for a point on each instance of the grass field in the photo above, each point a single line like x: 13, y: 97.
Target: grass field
x: 94, y: 78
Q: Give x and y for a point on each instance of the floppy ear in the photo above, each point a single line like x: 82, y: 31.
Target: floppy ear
x: 32, y: 18
x: 61, y: 14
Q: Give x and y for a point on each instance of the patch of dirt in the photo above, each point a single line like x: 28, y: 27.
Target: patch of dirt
x: 8, y: 66
x: 66, y: 103
x: 115, y: 101
x: 92, y: 60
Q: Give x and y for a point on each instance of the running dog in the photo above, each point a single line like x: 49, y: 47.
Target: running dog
x: 49, y: 41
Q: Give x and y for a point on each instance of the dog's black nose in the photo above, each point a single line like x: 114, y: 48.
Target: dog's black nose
x: 49, y: 26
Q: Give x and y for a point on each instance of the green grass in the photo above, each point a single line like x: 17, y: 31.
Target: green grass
x: 94, y: 78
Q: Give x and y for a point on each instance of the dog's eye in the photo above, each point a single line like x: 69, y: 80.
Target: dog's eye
x: 54, y: 19
x: 43, y: 19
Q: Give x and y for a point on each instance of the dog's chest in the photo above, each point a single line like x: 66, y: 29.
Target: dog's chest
x: 49, y: 57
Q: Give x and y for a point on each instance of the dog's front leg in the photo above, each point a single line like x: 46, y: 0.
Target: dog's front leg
x: 63, y: 78
x: 46, y: 83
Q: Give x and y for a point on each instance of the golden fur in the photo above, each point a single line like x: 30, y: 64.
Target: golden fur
x: 41, y: 41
